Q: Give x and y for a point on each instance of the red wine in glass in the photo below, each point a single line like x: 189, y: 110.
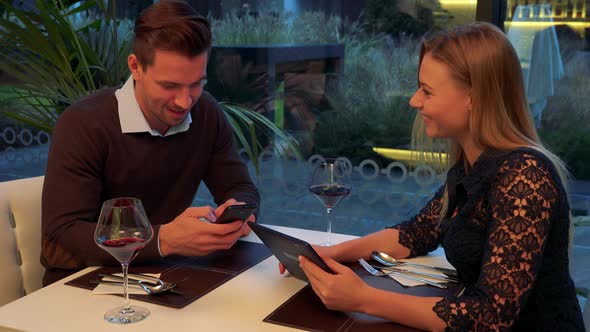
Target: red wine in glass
x: 330, y: 195
x: 123, y: 249
x: 330, y: 183
x: 123, y: 230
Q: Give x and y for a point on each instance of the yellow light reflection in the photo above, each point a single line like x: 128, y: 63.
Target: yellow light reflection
x: 458, y: 2
x: 576, y: 24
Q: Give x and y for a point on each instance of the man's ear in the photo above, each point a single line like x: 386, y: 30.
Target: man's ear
x: 134, y: 66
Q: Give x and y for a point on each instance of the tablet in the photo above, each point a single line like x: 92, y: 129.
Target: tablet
x: 287, y: 248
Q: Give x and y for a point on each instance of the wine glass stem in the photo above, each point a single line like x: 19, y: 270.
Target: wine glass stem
x: 329, y: 230
x: 125, y: 283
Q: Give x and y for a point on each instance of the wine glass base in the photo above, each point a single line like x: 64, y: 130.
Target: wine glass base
x: 121, y: 315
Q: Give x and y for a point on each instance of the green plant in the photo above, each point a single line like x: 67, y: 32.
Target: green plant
x: 317, y: 27
x: 384, y: 16
x: 571, y: 143
x: 376, y: 68
x: 369, y: 103
x: 247, y: 30
x: 233, y: 78
x: 566, y: 119
x: 53, y: 62
x: 352, y: 130
x: 247, y: 124
x: 58, y: 54
x: 276, y: 28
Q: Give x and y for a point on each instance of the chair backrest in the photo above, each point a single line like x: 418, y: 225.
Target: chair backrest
x: 20, y: 238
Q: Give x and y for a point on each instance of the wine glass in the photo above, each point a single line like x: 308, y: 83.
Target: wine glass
x: 123, y: 230
x: 330, y: 183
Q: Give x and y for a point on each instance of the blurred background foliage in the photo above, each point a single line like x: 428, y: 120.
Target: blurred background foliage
x: 566, y: 120
x: 56, y: 53
x: 366, y: 105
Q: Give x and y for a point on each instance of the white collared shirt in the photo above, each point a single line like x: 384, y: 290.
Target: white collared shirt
x: 131, y: 117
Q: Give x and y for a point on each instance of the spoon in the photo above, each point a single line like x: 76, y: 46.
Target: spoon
x: 387, y: 260
x: 159, y: 288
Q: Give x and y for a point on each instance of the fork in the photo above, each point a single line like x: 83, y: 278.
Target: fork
x: 138, y: 277
x: 378, y: 273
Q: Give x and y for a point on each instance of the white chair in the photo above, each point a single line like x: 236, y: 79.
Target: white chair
x: 20, y: 238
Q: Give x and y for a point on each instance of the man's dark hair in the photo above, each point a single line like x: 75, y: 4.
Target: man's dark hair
x: 170, y: 25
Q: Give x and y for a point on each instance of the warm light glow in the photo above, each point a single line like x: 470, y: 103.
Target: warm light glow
x: 576, y: 24
x: 410, y: 157
x: 458, y: 2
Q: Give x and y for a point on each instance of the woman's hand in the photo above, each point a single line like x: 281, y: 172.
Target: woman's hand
x: 322, y: 251
x: 344, y: 290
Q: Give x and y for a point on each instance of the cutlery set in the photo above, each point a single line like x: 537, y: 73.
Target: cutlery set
x: 381, y: 271
x: 150, y: 284
x: 389, y: 261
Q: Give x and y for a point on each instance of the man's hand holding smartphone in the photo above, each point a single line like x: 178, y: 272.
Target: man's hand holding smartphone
x: 236, y: 212
x: 244, y: 213
x: 184, y: 236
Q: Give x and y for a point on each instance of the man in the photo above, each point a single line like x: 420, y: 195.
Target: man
x: 155, y: 138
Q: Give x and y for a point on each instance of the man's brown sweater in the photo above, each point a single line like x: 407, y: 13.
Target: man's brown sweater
x: 91, y: 160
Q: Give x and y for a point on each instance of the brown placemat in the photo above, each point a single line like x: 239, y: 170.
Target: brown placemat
x: 194, y: 276
x: 295, y: 312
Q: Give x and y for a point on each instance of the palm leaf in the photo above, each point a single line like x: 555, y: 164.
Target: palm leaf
x: 246, y: 123
x: 52, y: 60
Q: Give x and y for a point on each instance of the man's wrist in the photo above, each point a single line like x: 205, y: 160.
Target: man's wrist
x: 162, y: 243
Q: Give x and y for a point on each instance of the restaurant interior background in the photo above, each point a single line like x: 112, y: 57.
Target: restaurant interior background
x: 336, y: 76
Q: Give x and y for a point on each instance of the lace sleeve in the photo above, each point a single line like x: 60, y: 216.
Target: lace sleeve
x: 421, y: 234
x: 521, y: 200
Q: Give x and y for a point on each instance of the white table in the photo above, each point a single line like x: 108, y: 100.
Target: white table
x: 238, y: 305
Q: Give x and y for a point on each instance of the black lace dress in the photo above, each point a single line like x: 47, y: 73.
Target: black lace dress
x: 506, y: 233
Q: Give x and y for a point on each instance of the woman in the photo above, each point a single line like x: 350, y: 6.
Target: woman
x: 502, y: 215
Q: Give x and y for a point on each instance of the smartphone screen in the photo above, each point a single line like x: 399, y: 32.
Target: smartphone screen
x: 236, y: 212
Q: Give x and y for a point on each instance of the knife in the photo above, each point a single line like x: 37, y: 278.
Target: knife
x: 424, y: 274
x: 449, y: 272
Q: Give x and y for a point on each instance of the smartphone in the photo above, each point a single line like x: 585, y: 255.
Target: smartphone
x: 236, y: 212
x: 287, y: 250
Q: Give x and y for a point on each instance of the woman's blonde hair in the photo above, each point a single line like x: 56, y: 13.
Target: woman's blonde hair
x: 482, y: 60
